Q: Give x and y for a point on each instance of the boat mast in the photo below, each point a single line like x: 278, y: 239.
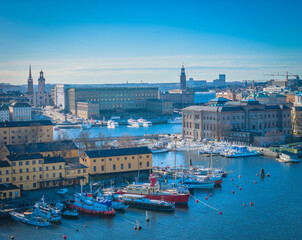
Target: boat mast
x: 174, y: 164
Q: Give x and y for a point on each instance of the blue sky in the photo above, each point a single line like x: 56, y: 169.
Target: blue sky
x: 119, y: 41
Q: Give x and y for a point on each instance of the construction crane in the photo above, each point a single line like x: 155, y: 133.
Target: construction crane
x: 286, y: 75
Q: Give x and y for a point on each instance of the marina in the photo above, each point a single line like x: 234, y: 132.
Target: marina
x: 235, y: 207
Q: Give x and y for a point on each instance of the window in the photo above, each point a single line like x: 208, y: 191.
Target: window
x: 21, y: 178
x: 27, y: 169
x: 46, y: 168
x: 79, y: 171
x: 27, y: 163
x: 147, y: 156
x: 113, y: 166
x: 122, y: 166
x: 60, y: 174
x: 118, y: 158
x: 110, y: 159
x: 102, y: 169
x: 10, y: 194
x: 53, y: 167
x: 102, y: 159
x: 84, y: 170
x: 125, y: 158
x: 20, y: 170
x: 40, y: 176
x: 7, y: 179
x: 53, y: 175
x: 132, y: 157
x: 14, y: 179
x: 94, y: 168
x: 34, y: 185
x: 40, y: 168
x: 129, y: 165
x: 34, y: 176
x: 147, y: 164
x: 140, y: 156
x: 60, y: 166
x: 14, y: 164
x: 27, y: 177
x: 40, y: 162
x: 94, y: 160
x: 20, y: 163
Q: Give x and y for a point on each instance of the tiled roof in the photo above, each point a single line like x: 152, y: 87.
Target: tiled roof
x: 42, y: 147
x: 6, y: 186
x: 4, y: 164
x: 20, y: 104
x: 25, y: 156
x: 53, y: 159
x: 118, y: 152
x: 25, y: 123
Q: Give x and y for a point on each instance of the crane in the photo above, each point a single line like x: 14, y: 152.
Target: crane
x: 286, y: 75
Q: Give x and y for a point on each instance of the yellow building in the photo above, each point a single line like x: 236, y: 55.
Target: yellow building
x: 66, y: 149
x: 26, y: 132
x: 117, y: 160
x: 34, y: 171
x: 9, y: 191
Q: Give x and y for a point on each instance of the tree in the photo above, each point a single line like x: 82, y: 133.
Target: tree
x: 84, y: 140
x: 126, y: 141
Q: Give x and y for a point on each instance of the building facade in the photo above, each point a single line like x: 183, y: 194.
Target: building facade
x: 26, y: 132
x: 160, y: 106
x: 117, y: 160
x: 112, y: 99
x: 246, y: 121
x: 88, y: 110
x: 20, y: 111
x: 4, y: 113
x: 179, y: 98
x: 34, y: 171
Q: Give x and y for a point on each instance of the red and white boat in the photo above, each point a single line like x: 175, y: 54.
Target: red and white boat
x: 86, y: 203
x: 152, y: 191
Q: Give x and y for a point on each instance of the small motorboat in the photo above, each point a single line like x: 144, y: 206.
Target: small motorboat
x: 29, y: 218
x: 67, y: 213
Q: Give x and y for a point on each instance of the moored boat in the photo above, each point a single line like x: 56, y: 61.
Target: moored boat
x: 288, y: 157
x: 29, y: 218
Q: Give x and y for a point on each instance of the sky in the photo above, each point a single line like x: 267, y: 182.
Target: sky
x: 147, y: 41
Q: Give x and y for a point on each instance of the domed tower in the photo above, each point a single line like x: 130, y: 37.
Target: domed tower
x: 183, y: 79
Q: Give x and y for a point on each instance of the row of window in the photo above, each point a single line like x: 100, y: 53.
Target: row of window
x: 125, y: 158
x: 19, y: 131
x: 122, y: 166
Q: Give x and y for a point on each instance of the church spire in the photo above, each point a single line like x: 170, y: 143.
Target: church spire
x: 30, y: 70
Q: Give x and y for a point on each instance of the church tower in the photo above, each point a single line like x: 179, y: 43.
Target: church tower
x: 183, y: 79
x: 30, y: 84
x: 41, y: 90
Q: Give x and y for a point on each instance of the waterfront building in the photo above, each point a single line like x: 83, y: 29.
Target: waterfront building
x: 160, y: 106
x: 8, y: 191
x: 20, y: 111
x: 4, y: 113
x: 269, y: 99
x: 65, y: 148
x: 117, y: 160
x: 88, y: 110
x: 246, y: 121
x: 26, y: 132
x: 34, y: 171
x: 183, y: 79
x: 113, y: 98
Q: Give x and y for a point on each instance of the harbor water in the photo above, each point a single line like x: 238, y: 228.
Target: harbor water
x: 275, y: 213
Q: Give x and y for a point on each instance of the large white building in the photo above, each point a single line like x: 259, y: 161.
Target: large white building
x: 20, y: 112
x: 4, y: 113
x: 60, y: 96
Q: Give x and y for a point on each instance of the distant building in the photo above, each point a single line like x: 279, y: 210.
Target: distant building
x: 20, y: 112
x: 4, y: 113
x: 26, y: 132
x: 88, y: 110
x: 160, y: 106
x: 219, y: 82
x: 269, y: 99
x: 227, y: 94
x: 41, y: 98
x: 196, y: 83
x: 203, y: 97
x: 179, y: 98
x: 297, y: 120
x: 246, y: 121
x: 119, y: 160
x: 112, y: 98
x: 60, y: 95
x: 183, y: 79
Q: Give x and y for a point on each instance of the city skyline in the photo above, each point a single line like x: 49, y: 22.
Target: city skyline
x: 104, y: 43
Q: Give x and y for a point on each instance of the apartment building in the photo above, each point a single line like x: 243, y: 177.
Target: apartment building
x: 117, y: 160
x: 20, y: 111
x: 34, y: 171
x: 4, y: 113
x: 26, y: 132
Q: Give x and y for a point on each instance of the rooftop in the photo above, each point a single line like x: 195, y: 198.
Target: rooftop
x: 42, y: 147
x: 25, y: 156
x: 56, y: 159
x: 20, y: 104
x: 118, y: 152
x: 25, y: 123
x: 4, y: 164
x: 75, y: 166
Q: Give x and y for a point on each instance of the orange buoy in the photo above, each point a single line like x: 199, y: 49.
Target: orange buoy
x: 210, y: 195
x: 243, y: 205
x: 239, y: 176
x: 135, y: 228
x: 85, y: 226
x: 251, y: 203
x: 196, y: 201
x: 257, y: 174
x: 220, y: 213
x: 232, y: 179
x: 37, y: 227
x: 240, y: 188
x: 233, y: 192
x: 64, y: 237
x: 206, y: 198
x: 255, y: 182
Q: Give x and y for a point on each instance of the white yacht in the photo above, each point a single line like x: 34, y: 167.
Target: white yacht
x: 112, y: 124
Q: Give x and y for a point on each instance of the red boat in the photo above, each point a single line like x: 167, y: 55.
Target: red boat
x: 152, y: 191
